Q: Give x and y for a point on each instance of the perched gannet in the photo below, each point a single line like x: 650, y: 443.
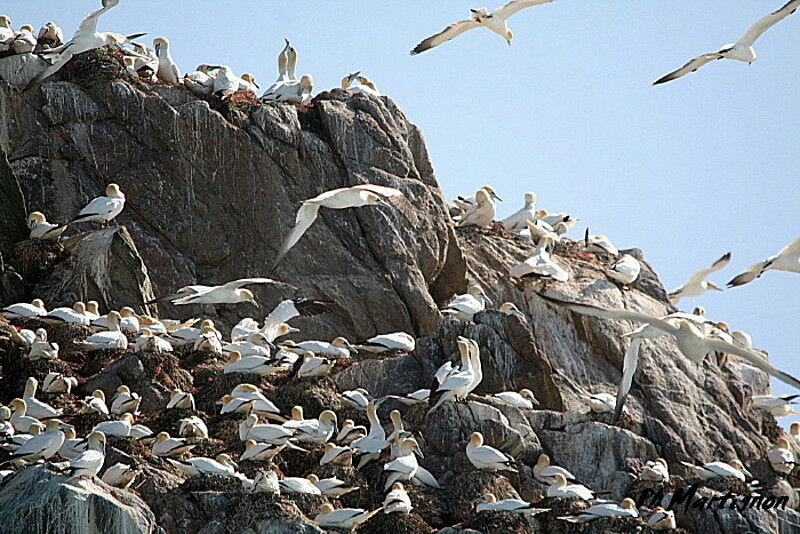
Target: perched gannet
x: 149, y: 342
x: 76, y: 314
x: 693, y: 343
x: 299, y: 485
x: 23, y: 309
x: 208, y: 341
x: 741, y: 50
x: 718, y: 469
x: 656, y: 471
x: 601, y: 402
x: 95, y: 403
x: 314, y: 366
x: 510, y: 308
x: 18, y: 439
x: 523, y: 399
x: 140, y: 432
x: 228, y: 293
x: 88, y: 463
x: 546, y: 473
x: 365, y: 85
x: 334, y: 454
x: 35, y: 407
x: 226, y: 82
x: 266, y: 482
x: 560, y: 488
x: 192, y: 427
x: 274, y: 434
x: 41, y: 229
x: 497, y: 21
x: 261, y: 403
x: 186, y: 333
x: 259, y: 365
x: 92, y: 310
x: 260, y: 452
x: 345, y: 197
x: 111, y: 339
x: 6, y: 428
x: 6, y: 33
x: 398, y: 431
x: 145, y: 64
x: 394, y: 342
x: 541, y: 264
x: 781, y: 457
x: 487, y: 458
x: 255, y: 344
x: 464, y: 307
x: 166, y: 446
x: 120, y: 428
x: 662, y: 519
x: 199, y: 82
x: 247, y: 82
x: 482, y: 212
x: 180, y: 399
x: 25, y: 337
x: 221, y: 465
x: 350, y: 432
x: 102, y: 209
x: 50, y: 36
x: 291, y: 91
x: 283, y: 62
x: 358, y: 398
x: 371, y: 445
x: 24, y: 41
x: 331, y: 487
x: 42, y: 446
x: 743, y: 339
x: 317, y: 431
x: 489, y: 503
x: 397, y: 500
x: 777, y: 406
x: 458, y: 384
x: 405, y: 466
x: 627, y: 508
x: 625, y: 270
x: 788, y: 259
x: 697, y: 283
x: 794, y: 430
x: 535, y: 230
x: 338, y: 348
x: 124, y: 401
x: 598, y: 244
x: 41, y: 348
x: 518, y: 221
x: 347, y: 518
x: 119, y: 475
x: 167, y: 68
x: 19, y: 418
x: 58, y: 383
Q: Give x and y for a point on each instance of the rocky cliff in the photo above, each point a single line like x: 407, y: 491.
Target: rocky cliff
x: 211, y: 190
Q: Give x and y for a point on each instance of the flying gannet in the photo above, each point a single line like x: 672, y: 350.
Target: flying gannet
x: 697, y: 283
x: 345, y: 197
x: 489, y: 503
x: 346, y: 518
x: 397, y: 500
x: 50, y: 36
x: 228, y: 293
x: 741, y: 50
x: 517, y: 221
x: 627, y: 508
x: 102, y: 209
x: 693, y: 342
x: 167, y: 68
x: 777, y: 406
x: 41, y: 229
x: 497, y: 21
x: 788, y: 259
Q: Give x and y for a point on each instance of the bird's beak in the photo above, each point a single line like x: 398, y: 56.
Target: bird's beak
x: 508, y: 41
x: 714, y: 287
x: 135, y: 36
x: 497, y: 197
x: 487, y: 299
x: 257, y: 86
x: 254, y: 303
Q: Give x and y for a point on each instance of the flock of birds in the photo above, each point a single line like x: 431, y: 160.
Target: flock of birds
x: 31, y: 431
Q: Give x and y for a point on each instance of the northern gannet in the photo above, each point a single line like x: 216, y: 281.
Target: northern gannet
x: 487, y: 458
x: 292, y: 91
x: 497, y: 21
x: 192, y: 427
x: 229, y: 293
x: 140, y: 432
x: 338, y: 348
x: 149, y: 342
x: 541, y: 264
x: 92, y: 312
x: 35, y: 407
x: 260, y: 365
x: 509, y: 308
x: 58, y: 383
x: 776, y: 405
x: 741, y: 50
x: 397, y: 500
x: 128, y: 321
x: 274, y: 434
x: 50, y: 36
x: 601, y: 402
x: 489, y: 503
x: 88, y: 463
x: 398, y: 431
x: 299, y: 485
x: 689, y: 338
x: 6, y: 33
x: 166, y: 446
x: 337, y: 455
x: 345, y: 197
x: 208, y: 340
x: 656, y: 471
x: 627, y: 508
x: 482, y: 212
x: 167, y: 68
x: 266, y: 482
x: 788, y: 259
x: 6, y: 428
x: 72, y: 446
x: 18, y: 439
x: 23, y: 309
x: 662, y: 519
x: 394, y: 342
x: 25, y: 337
x: 718, y: 469
x: 464, y: 203
x: 124, y: 401
x: 287, y: 310
x: 358, y: 398
x: 598, y: 244
x: 625, y: 270
x: 76, y: 314
x: 546, y: 473
x: 560, y: 488
x: 781, y: 457
x: 366, y: 86
x: 405, y: 466
x: 255, y: 344
x: 464, y: 307
x: 314, y: 366
x: 111, y: 339
x: 19, y: 418
x: 331, y: 487
x: 41, y: 229
x: 261, y: 404
x: 697, y: 283
x: 283, y: 62
x: 102, y: 209
x: 518, y: 221
x: 145, y: 64
x: 24, y: 41
x: 220, y: 465
x: 794, y: 430
x: 247, y: 82
x: 535, y: 230
x: 350, y: 432
x: 523, y: 399
x: 226, y: 82
x: 317, y: 431
x: 199, y: 82
x: 371, y: 445
x: 180, y: 399
x: 43, y: 446
x: 120, y: 428
x: 41, y: 348
x: 119, y: 475
x: 95, y: 403
x: 260, y: 452
x: 347, y: 518
x: 458, y: 384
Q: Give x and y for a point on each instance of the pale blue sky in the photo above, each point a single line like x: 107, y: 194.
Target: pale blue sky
x: 685, y: 171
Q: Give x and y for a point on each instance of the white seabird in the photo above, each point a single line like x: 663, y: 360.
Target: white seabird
x: 625, y: 270
x: 509, y: 308
x: 247, y: 82
x: 299, y: 485
x: 358, y: 398
x: 541, y: 264
x: 102, y: 209
x: 50, y: 36
x: 338, y: 348
x: 489, y: 503
x: 124, y: 401
x: 627, y: 508
x: 149, y: 342
x: 193, y: 427
x: 335, y: 454
x: 35, y: 407
x: 167, y: 68
x: 741, y: 50
x: 111, y: 339
x: 331, y: 487
x: 457, y: 384
x: 255, y: 344
x: 546, y: 473
x: 166, y: 446
x: 518, y: 221
x: 41, y: 348
x: 405, y: 466
x: 697, y: 283
x: 692, y: 342
x: 662, y: 519
x: 317, y: 431
x: 787, y: 259
x: 13, y: 442
x: 6, y: 33
x: 314, y: 366
x: 228, y: 293
x: 23, y: 309
x: 487, y: 458
x: 656, y: 471
x: 41, y: 229
x: 42, y: 446
x: 523, y: 399
x: 261, y: 404
x: 24, y: 41
x: 274, y: 434
x: 397, y: 500
x: 199, y: 82
x: 347, y: 518
x: 95, y: 403
x: 482, y: 212
x: 145, y: 64
x: 464, y: 307
x: 718, y: 469
x: 776, y: 405
x: 287, y: 59
x: 19, y: 418
x: 601, y: 402
x: 371, y: 445
x: 560, y: 488
x: 365, y: 85
x: 598, y: 244
x: 535, y: 230
x: 119, y: 475
x: 88, y: 463
x: 266, y: 482
x: 287, y: 310
x: 180, y: 399
x: 76, y: 314
x: 291, y: 91
x: 781, y: 457
x: 226, y: 82
x: 397, y: 341
x: 260, y: 365
x: 345, y: 197
x: 58, y: 383
x: 497, y: 21
x: 260, y: 452
x: 221, y: 465
x: 120, y: 428
x: 350, y: 432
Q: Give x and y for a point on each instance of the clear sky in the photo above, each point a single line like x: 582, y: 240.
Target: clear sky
x: 685, y: 171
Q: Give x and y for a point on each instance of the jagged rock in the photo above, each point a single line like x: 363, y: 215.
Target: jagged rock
x: 12, y: 206
x: 38, y: 500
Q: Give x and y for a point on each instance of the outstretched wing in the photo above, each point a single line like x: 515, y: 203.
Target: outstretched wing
x: 306, y: 216
x: 617, y: 315
x: 691, y: 66
x: 700, y: 275
x: 395, y: 197
x: 450, y: 32
x: 517, y: 5
x: 765, y: 23
x: 748, y: 275
x: 629, y: 365
x: 753, y: 359
x: 236, y: 284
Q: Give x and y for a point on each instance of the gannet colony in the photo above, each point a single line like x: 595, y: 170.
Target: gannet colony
x: 477, y: 376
